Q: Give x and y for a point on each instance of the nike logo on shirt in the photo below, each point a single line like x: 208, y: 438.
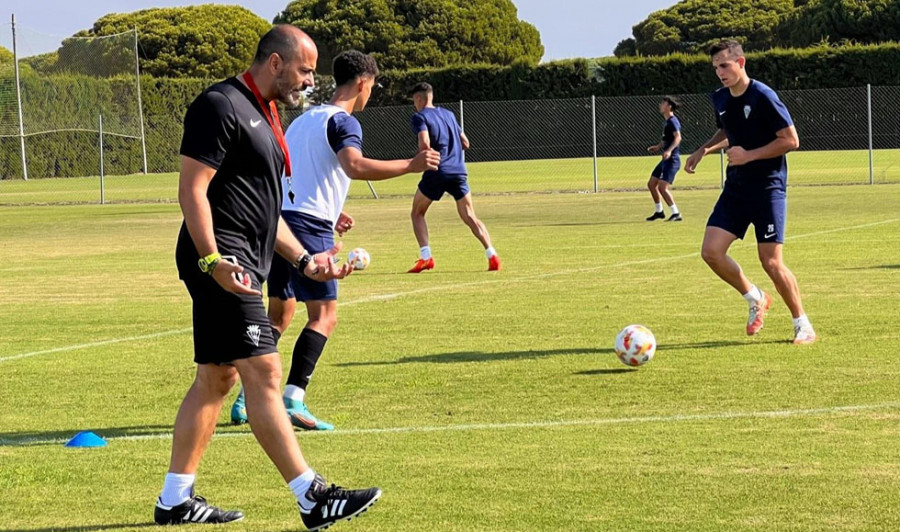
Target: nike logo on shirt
x: 254, y: 123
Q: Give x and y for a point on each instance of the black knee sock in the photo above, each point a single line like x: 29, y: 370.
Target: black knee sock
x: 306, y: 355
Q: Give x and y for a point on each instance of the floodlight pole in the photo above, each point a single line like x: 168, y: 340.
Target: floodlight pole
x: 137, y: 70
x: 19, y: 101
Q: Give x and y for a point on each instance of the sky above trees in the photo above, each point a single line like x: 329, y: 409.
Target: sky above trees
x: 569, y: 28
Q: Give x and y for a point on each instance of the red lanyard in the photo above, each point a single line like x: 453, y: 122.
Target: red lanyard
x: 271, y: 113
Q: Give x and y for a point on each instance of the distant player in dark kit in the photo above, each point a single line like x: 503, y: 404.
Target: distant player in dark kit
x: 663, y: 176
x: 232, y: 158
x: 436, y: 128
x: 757, y: 131
x: 326, y: 143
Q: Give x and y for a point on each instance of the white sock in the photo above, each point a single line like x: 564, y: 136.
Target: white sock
x: 295, y: 393
x: 802, y: 321
x: 754, y: 295
x: 300, y: 485
x: 490, y: 252
x: 176, y: 489
x: 674, y: 208
x: 425, y: 252
x: 659, y: 207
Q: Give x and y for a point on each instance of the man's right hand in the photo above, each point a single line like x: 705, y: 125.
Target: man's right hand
x: 691, y: 165
x: 232, y: 278
x: 425, y: 160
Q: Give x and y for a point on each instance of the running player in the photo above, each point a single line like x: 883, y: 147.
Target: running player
x: 664, y: 174
x: 437, y: 129
x: 326, y: 143
x: 757, y: 130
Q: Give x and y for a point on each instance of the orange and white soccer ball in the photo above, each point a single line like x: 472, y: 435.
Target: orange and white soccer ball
x: 635, y: 345
x: 359, y: 259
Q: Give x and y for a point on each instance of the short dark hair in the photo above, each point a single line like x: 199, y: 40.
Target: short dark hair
x: 278, y: 40
x: 422, y: 86
x: 734, y: 48
x: 673, y: 102
x: 349, y: 65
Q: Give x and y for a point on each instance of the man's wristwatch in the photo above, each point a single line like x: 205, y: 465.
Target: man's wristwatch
x: 304, y: 259
x: 208, y: 263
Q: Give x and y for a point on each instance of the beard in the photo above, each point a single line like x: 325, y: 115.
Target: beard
x: 289, y: 95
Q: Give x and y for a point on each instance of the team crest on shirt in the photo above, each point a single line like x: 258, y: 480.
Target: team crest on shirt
x: 253, y: 332
x: 747, y: 111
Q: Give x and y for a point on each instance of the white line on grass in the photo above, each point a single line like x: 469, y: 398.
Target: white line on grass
x: 441, y: 288
x: 677, y: 418
x: 97, y: 344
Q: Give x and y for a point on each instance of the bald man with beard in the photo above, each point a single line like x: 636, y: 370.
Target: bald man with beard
x: 233, y: 156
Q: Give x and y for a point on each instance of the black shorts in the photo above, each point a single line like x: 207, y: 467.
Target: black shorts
x: 228, y: 327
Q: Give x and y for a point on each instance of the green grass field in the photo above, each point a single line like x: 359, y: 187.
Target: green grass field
x: 479, y: 401
x: 551, y: 175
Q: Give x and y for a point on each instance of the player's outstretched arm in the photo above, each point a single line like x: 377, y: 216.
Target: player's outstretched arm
x: 718, y: 142
x: 319, y: 267
x: 358, y: 167
x: 193, y: 183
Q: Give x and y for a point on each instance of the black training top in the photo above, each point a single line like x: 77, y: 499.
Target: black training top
x: 225, y: 128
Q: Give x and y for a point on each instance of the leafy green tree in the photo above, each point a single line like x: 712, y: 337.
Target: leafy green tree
x: 207, y: 41
x: 691, y: 25
x: 860, y: 21
x: 6, y: 56
x: 404, y: 34
x: 626, y: 48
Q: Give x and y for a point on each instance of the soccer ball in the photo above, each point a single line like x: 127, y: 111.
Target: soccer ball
x: 359, y: 259
x: 635, y: 345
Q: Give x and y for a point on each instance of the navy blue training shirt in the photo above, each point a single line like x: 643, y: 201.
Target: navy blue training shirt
x: 673, y: 125
x: 751, y: 121
x: 443, y: 131
x: 344, y: 131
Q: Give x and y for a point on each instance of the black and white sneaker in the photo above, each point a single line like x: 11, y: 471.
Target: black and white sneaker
x: 333, y: 504
x: 656, y: 216
x: 674, y: 218
x: 193, y: 510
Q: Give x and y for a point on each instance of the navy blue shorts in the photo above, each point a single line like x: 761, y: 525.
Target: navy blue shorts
x: 285, y: 282
x: 767, y: 213
x: 433, y: 186
x: 667, y: 169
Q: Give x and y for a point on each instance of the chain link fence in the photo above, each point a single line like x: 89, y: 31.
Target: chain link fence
x: 848, y: 136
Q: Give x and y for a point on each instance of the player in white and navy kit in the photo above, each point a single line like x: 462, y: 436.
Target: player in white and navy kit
x: 663, y: 176
x: 326, y: 145
x: 757, y: 130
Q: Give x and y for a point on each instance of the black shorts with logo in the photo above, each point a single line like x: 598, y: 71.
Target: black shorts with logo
x: 228, y: 327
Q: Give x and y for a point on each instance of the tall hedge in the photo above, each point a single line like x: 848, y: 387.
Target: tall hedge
x: 70, y: 101
x: 820, y: 67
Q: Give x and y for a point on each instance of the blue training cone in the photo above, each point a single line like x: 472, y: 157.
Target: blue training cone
x: 86, y: 439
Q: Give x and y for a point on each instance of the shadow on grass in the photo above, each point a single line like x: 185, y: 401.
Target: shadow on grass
x: 85, y: 528
x: 605, y: 371
x: 478, y: 356
x: 718, y: 344
x: 879, y: 267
